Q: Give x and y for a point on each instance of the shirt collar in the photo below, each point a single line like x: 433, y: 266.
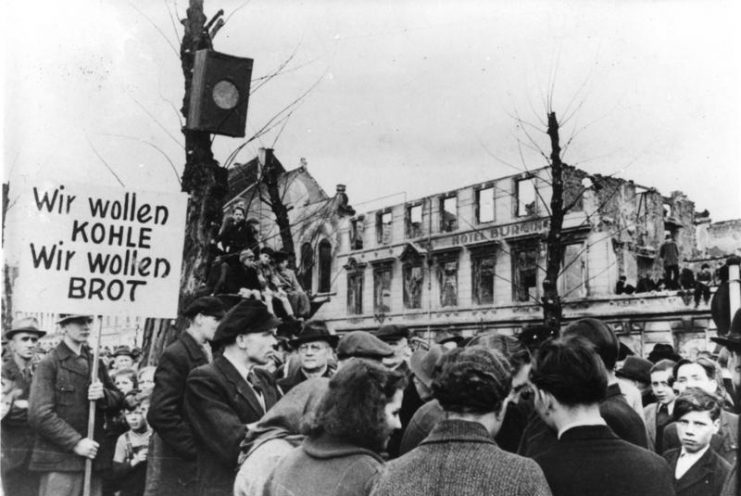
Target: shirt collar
x: 693, y: 456
x: 571, y: 425
x: 243, y: 371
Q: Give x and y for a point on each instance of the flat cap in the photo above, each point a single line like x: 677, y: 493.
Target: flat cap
x: 68, y: 317
x: 423, y: 363
x: 636, y: 369
x: 205, y: 305
x: 362, y: 344
x: 248, y: 316
x: 392, y: 332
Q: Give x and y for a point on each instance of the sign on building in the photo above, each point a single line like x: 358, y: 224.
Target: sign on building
x: 98, y: 250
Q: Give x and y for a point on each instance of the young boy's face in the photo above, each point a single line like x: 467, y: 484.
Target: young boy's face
x: 124, y: 384
x: 695, y: 429
x: 135, y: 419
x: 660, y: 384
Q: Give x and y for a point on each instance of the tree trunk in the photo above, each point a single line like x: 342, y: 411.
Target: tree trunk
x: 206, y: 183
x: 7, y: 301
x: 271, y: 178
x: 552, y: 311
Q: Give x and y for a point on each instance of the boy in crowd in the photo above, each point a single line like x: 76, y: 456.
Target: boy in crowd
x: 125, y: 380
x: 658, y: 415
x: 698, y: 470
x: 130, y: 458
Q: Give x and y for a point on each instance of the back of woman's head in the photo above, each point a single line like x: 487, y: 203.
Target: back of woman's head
x: 353, y: 409
x: 472, y: 380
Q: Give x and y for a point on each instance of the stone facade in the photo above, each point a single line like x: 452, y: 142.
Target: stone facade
x: 472, y: 259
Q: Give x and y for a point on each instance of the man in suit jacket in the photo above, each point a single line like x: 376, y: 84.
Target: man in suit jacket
x: 658, y: 415
x: 58, y: 409
x: 17, y: 437
x: 698, y: 470
x: 460, y: 456
x: 221, y: 398
x: 171, y: 463
x: 588, y: 459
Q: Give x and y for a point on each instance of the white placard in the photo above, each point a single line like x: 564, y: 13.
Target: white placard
x: 99, y: 250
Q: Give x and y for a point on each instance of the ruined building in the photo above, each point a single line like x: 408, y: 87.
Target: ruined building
x: 473, y: 259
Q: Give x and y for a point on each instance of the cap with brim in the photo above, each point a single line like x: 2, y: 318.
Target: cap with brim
x: 423, y: 362
x: 636, y: 369
x: 315, y: 331
x: 248, y: 316
x: 25, y: 324
x: 211, y: 306
x: 123, y: 351
x: 392, y: 332
x: 280, y: 255
x: 362, y: 344
x: 67, y: 317
x: 732, y: 340
x: 663, y: 351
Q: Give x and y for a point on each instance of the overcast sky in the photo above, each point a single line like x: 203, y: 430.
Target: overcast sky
x: 412, y: 98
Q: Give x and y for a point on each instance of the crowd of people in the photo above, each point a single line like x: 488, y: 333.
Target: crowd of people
x: 235, y: 407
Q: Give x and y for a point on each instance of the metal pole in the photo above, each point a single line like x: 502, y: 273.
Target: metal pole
x: 91, y: 412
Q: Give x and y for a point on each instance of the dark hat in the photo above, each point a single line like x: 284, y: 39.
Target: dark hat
x: 280, y: 255
x: 447, y: 337
x: 246, y: 254
x: 205, y: 305
x: 315, y: 330
x: 662, y: 351
x: 635, y: 368
x: 599, y: 335
x: 289, y: 329
x: 423, y: 363
x: 24, y: 324
x: 392, y: 332
x: 267, y: 251
x: 625, y: 351
x: 123, y: 351
x: 362, y: 344
x: 533, y: 336
x: 732, y: 340
x: 246, y: 317
x: 68, y: 317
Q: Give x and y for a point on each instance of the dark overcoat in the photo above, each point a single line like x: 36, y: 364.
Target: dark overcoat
x: 724, y: 442
x: 704, y: 478
x: 58, y: 409
x: 219, y: 404
x: 459, y: 457
x: 592, y: 461
x: 17, y: 435
x: 171, y: 463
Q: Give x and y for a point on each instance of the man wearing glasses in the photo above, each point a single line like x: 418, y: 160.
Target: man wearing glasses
x: 171, y: 465
x: 17, y: 436
x: 315, y: 345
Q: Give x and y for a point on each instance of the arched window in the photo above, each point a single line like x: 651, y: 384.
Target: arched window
x: 325, y: 266
x: 306, y: 270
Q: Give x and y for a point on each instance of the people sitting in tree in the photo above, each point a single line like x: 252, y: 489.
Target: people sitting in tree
x: 241, y: 279
x: 269, y: 284
x: 288, y: 282
x: 702, y: 285
x: 622, y: 286
x: 237, y: 233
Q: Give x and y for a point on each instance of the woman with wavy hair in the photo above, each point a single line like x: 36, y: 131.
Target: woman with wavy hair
x: 341, y: 455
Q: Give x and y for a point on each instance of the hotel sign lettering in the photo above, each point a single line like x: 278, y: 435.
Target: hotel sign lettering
x: 497, y: 233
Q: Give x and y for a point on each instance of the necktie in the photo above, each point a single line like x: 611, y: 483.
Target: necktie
x: 254, y: 382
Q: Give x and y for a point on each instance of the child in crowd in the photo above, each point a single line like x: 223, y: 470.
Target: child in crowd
x: 145, y: 378
x: 698, y: 470
x: 125, y: 380
x: 130, y: 457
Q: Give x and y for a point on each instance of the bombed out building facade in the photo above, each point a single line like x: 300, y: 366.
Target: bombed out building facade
x: 472, y: 259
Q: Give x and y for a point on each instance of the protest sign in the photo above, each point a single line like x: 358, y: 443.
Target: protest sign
x: 99, y: 250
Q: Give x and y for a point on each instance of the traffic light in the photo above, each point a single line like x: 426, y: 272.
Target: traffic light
x: 219, y: 93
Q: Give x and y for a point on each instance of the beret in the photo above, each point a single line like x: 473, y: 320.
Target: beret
x: 392, y: 332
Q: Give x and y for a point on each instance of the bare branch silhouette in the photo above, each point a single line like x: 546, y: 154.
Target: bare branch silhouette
x: 172, y: 20
x: 151, y: 116
x: 242, y: 5
x: 177, y: 54
x: 107, y: 166
x: 152, y: 145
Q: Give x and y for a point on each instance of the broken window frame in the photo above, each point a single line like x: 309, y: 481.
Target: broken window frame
x: 526, y: 209
x: 412, y: 230
x: 449, y: 225
x: 324, y: 256
x: 413, y: 288
x: 383, y: 229
x: 479, y: 257
x: 581, y: 251
x: 448, y: 267
x: 355, y: 281
x: 357, y: 232
x: 482, y: 193
x: 521, y: 292
x: 383, y: 275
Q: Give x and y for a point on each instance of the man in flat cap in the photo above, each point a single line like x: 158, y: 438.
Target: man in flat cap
x: 362, y: 344
x: 314, y: 345
x: 397, y: 337
x: 223, y: 397
x: 17, y: 437
x: 171, y: 464
x: 59, y: 403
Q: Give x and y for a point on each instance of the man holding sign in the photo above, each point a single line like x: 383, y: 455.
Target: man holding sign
x: 61, y: 393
